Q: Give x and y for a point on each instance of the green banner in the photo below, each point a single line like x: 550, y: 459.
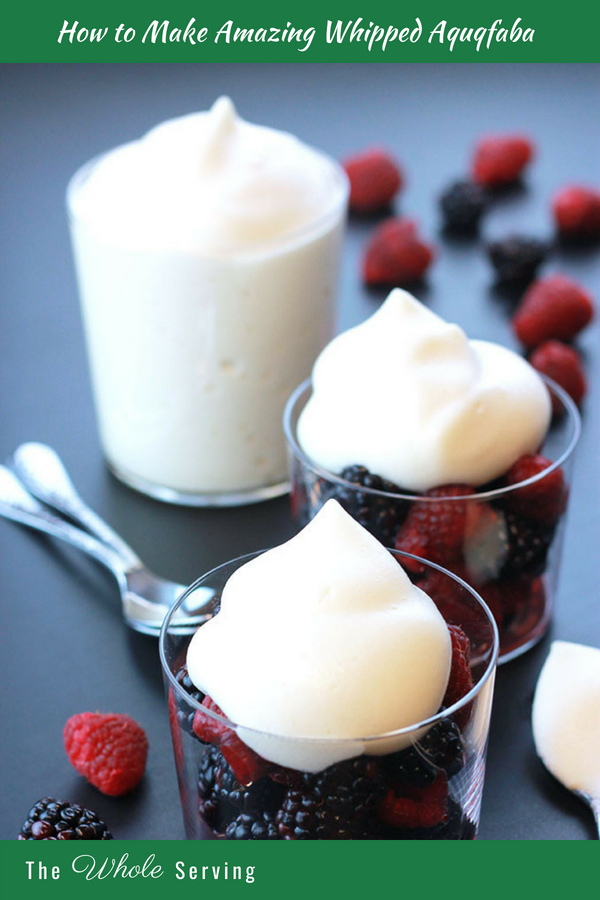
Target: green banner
x: 331, y: 31
x: 220, y: 869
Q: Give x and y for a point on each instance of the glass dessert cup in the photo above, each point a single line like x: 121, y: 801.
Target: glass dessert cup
x: 192, y: 358
x: 510, y: 559
x: 418, y: 783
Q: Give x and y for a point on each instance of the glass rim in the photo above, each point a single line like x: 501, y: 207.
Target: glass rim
x: 567, y: 403
x: 340, y: 206
x: 369, y: 739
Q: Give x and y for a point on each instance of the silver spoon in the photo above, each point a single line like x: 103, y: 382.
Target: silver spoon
x: 146, y: 597
x: 594, y: 804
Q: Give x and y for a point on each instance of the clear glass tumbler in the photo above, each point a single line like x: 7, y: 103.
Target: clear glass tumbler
x: 418, y: 783
x: 193, y: 357
x: 509, y: 550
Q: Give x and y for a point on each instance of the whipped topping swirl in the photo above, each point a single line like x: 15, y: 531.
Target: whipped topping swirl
x: 566, y: 716
x: 410, y: 397
x: 323, y: 637
x: 208, y: 182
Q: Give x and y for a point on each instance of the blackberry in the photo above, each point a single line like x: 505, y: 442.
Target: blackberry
x: 222, y: 799
x: 337, y: 804
x: 263, y: 795
x: 463, y: 204
x: 440, y: 748
x: 185, y: 716
x: 211, y: 758
x: 59, y: 820
x: 351, y: 788
x: 260, y: 827
x: 379, y: 515
x: 410, y: 767
x: 444, y: 746
x: 516, y: 259
x: 304, y: 816
x: 527, y: 545
x: 216, y: 812
x: 298, y: 818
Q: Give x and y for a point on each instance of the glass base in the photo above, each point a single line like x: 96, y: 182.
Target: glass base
x: 528, y: 629
x: 183, y: 498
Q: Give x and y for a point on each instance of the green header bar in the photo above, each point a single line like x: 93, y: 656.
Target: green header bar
x: 308, y: 31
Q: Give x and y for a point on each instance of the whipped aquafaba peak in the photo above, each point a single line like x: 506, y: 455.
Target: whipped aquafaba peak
x: 566, y: 716
x: 323, y: 637
x: 410, y: 397
x: 209, y: 181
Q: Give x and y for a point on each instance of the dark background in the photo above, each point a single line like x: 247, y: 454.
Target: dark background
x: 65, y: 648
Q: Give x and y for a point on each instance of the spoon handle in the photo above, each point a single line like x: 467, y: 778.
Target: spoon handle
x: 42, y: 471
x: 17, y: 504
x: 595, y: 805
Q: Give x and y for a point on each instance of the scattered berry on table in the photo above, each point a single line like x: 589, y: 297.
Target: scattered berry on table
x: 435, y: 529
x: 553, y: 308
x: 500, y: 159
x: 60, y: 820
x: 577, y: 211
x: 543, y: 501
x: 561, y: 363
x: 517, y: 258
x: 375, y: 179
x: 463, y: 204
x: 110, y: 750
x: 396, y: 255
x: 381, y: 516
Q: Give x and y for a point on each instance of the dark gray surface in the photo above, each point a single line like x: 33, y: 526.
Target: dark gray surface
x: 65, y: 649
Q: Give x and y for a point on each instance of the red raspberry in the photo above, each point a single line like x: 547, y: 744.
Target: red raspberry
x: 435, y: 530
x: 563, y: 365
x: 543, y: 501
x: 406, y: 806
x: 553, y: 307
x: 395, y: 254
x: 109, y: 750
x: 206, y: 727
x: 577, y: 211
x: 374, y: 180
x: 246, y: 764
x: 451, y: 600
x: 460, y: 681
x: 500, y: 159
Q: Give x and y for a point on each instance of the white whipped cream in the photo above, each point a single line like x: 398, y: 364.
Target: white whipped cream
x: 410, y: 397
x: 566, y: 716
x: 323, y: 637
x: 208, y: 181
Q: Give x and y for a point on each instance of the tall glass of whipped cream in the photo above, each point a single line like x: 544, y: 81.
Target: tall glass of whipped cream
x: 207, y: 258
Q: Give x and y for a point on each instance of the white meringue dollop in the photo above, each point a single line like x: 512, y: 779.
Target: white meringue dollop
x: 410, y: 397
x: 325, y: 638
